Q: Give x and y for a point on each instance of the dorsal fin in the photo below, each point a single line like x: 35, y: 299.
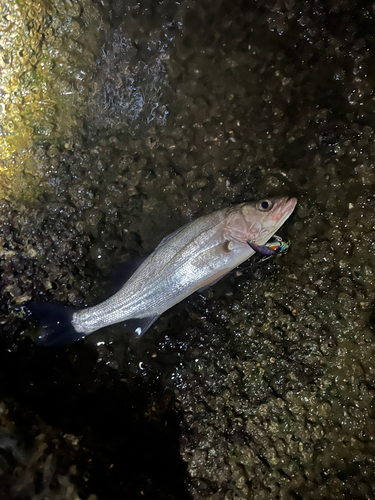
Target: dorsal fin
x: 170, y: 236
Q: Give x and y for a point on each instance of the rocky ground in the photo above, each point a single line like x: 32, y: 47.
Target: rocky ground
x: 263, y: 386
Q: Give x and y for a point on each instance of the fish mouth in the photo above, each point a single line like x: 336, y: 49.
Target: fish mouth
x: 283, y: 212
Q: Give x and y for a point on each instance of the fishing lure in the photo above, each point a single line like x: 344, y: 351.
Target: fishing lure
x: 273, y: 247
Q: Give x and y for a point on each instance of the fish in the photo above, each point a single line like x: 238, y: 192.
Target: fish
x: 192, y: 258
x: 273, y: 247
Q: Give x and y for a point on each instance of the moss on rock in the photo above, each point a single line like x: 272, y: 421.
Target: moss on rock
x: 47, y: 59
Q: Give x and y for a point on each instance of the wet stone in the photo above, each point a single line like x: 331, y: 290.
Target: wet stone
x: 261, y: 387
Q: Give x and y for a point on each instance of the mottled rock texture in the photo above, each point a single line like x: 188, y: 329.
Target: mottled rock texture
x: 263, y: 386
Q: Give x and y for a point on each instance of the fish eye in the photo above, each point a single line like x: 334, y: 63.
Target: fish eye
x: 264, y: 206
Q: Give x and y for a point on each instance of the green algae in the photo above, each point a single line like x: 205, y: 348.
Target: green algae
x: 47, y: 58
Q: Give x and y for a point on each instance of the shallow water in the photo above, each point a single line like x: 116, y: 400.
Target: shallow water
x: 262, y: 387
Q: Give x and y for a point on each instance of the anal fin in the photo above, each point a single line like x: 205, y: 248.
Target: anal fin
x: 141, y: 325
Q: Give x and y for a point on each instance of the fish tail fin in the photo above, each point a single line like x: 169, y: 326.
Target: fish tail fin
x: 56, y: 323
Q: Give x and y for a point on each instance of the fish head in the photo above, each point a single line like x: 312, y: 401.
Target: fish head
x: 258, y: 221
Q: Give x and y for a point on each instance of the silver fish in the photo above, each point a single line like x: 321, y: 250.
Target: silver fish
x: 192, y: 258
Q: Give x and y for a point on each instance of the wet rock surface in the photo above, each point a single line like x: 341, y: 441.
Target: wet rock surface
x: 47, y: 62
x: 263, y: 386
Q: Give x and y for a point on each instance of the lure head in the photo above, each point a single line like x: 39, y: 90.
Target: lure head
x: 277, y: 245
x: 257, y: 222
